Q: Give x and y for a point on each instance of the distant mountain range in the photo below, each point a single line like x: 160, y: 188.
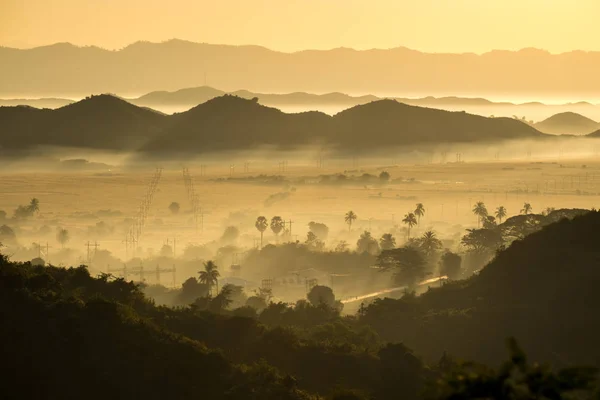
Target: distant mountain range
x: 143, y: 67
x: 233, y: 123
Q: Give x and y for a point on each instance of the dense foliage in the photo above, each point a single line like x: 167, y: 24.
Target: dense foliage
x: 78, y: 336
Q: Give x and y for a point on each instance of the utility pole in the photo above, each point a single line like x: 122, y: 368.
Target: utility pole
x: 39, y: 247
x: 48, y: 253
x: 89, y: 246
x: 290, y: 222
x: 88, y: 252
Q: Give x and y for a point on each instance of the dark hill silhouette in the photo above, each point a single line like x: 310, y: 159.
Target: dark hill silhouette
x: 541, y: 290
x: 595, y: 134
x: 143, y: 67
x: 103, y: 121
x: 388, y: 122
x: 567, y: 123
x: 184, y: 99
x: 18, y: 123
x: 230, y: 122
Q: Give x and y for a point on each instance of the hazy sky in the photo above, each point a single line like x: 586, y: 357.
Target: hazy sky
x: 288, y: 25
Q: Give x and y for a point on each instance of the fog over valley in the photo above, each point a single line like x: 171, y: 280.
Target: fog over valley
x: 299, y: 200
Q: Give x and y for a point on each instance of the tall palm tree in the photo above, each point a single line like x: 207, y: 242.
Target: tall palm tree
x: 261, y: 224
x: 350, y: 218
x: 410, y: 220
x: 480, y: 211
x: 210, y: 275
x: 62, y: 236
x: 500, y: 213
x: 419, y: 212
x: 430, y: 243
x: 34, y: 205
x: 526, y: 208
x: 277, y: 225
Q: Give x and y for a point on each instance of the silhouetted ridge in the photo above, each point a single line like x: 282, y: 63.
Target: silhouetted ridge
x: 144, y: 67
x: 595, y: 134
x: 389, y: 122
x: 102, y: 121
x: 231, y: 122
x: 569, y: 123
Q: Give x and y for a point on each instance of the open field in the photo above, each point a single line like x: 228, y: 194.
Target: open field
x: 100, y: 207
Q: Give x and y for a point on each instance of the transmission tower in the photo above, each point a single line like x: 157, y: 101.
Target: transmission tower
x: 193, y: 198
x: 136, y: 229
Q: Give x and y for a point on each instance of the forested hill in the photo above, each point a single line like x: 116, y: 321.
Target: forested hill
x: 233, y: 123
x: 97, y: 122
x: 541, y: 289
x: 77, y: 336
x: 567, y: 123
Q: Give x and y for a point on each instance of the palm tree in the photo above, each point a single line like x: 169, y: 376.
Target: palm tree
x: 480, y: 211
x: 350, y: 218
x: 430, y: 243
x: 210, y: 275
x: 500, y: 213
x: 261, y: 224
x: 410, y: 220
x: 62, y: 236
x: 34, y: 205
x: 277, y: 225
x: 526, y: 208
x: 419, y: 212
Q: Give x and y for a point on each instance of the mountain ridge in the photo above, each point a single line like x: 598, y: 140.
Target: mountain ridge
x: 146, y: 66
x: 231, y: 123
x: 402, y: 48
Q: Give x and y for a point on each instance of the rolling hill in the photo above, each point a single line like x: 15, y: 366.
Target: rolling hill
x: 595, y: 134
x: 102, y: 122
x: 567, y: 123
x: 144, y: 67
x: 331, y: 103
x: 389, y: 122
x: 232, y: 123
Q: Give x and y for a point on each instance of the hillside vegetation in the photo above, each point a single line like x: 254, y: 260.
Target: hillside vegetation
x: 233, y: 123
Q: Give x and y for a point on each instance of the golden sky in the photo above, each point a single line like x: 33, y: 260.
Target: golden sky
x: 289, y: 25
